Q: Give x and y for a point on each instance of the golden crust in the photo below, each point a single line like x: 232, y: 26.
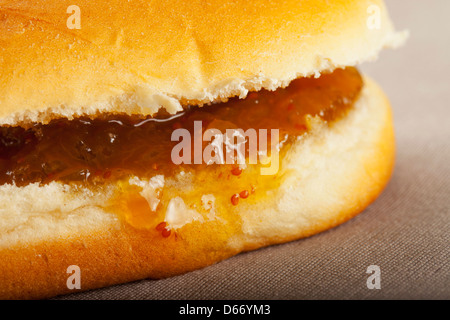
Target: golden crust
x: 137, y: 56
x: 360, y: 147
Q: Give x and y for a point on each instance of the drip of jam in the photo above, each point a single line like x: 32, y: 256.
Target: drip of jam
x: 111, y: 147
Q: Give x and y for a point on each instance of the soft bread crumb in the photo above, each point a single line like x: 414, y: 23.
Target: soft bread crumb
x: 178, y: 214
x: 150, y: 189
x: 39, y: 213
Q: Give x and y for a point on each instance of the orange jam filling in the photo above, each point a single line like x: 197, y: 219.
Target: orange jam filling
x: 113, y: 147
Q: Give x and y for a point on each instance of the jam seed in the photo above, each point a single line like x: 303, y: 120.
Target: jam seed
x: 244, y: 194
x: 161, y: 226
x: 236, y: 171
x: 235, y: 199
x: 165, y: 232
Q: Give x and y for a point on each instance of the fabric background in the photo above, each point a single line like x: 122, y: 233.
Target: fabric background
x: 405, y: 232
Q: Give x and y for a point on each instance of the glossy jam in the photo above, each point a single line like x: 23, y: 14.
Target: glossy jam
x: 113, y: 147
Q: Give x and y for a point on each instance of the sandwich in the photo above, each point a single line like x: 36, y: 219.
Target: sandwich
x: 146, y: 139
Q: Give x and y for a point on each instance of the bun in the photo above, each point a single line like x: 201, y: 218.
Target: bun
x: 330, y: 176
x: 187, y: 53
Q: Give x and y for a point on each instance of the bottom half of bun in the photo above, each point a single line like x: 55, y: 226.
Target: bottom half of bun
x: 330, y: 176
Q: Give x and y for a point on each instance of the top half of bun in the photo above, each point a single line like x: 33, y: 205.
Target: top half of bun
x: 137, y: 56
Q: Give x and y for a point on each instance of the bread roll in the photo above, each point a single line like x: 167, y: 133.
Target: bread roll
x: 138, y: 57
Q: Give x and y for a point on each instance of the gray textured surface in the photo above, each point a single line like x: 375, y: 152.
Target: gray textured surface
x: 405, y: 232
